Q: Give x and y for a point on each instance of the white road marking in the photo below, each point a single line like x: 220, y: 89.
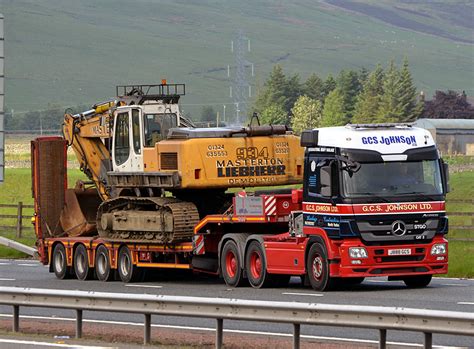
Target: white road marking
x: 458, y: 285
x: 379, y: 281
x: 466, y: 303
x: 144, y: 286
x: 212, y: 329
x: 445, y: 278
x: 303, y: 294
x: 28, y: 264
x: 6, y: 279
x: 60, y: 345
x: 3, y: 263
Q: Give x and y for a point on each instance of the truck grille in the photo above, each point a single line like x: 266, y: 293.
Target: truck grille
x: 169, y: 161
x: 379, y: 231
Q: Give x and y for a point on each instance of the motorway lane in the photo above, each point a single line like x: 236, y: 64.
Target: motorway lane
x: 442, y: 294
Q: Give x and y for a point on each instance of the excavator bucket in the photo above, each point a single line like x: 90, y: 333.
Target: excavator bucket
x: 78, y: 217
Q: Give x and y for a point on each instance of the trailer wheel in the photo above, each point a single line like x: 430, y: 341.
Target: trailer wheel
x: 417, y: 281
x: 317, y: 267
x: 102, y: 264
x: 81, y: 263
x: 256, y: 266
x: 60, y: 268
x: 231, y: 265
x: 127, y: 271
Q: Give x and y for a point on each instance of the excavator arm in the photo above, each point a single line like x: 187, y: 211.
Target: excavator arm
x: 88, y: 137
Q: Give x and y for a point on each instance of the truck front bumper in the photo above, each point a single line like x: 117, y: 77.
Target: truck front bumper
x: 391, y: 260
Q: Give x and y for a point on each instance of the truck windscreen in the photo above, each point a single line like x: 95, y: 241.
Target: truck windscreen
x: 397, y: 178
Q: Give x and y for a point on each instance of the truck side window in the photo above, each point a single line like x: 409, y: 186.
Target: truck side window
x: 136, y: 131
x: 122, y: 139
x: 313, y: 176
x: 314, y: 183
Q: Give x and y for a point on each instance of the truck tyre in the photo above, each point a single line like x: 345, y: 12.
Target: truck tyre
x: 256, y: 266
x: 231, y: 266
x: 417, y: 281
x: 102, y: 264
x: 128, y: 272
x: 60, y: 268
x: 317, y: 267
x: 81, y: 263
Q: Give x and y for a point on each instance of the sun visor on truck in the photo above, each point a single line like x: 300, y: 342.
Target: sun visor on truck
x: 425, y: 153
x: 361, y: 155
x: 417, y: 154
x: 309, y: 138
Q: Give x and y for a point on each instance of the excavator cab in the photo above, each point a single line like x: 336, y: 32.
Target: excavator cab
x: 136, y: 127
x: 149, y: 112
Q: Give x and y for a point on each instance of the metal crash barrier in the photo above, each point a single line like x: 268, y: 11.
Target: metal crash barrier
x: 368, y: 317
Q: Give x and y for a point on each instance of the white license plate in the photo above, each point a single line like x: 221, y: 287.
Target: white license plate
x: 400, y: 252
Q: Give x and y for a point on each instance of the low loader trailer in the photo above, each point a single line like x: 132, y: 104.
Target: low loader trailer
x: 372, y: 203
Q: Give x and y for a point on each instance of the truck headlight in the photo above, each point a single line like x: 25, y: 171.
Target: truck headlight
x: 438, y: 249
x: 358, y: 252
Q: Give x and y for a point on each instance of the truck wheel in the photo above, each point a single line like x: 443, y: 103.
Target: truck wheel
x: 102, y: 264
x: 81, y: 263
x: 60, y: 268
x: 317, y: 267
x: 231, y: 265
x: 417, y: 281
x: 256, y: 266
x: 127, y: 271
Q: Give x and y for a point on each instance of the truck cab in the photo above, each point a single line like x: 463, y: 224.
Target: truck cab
x: 374, y: 196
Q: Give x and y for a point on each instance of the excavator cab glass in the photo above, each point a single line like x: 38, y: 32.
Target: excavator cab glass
x: 157, y: 126
x: 122, y: 139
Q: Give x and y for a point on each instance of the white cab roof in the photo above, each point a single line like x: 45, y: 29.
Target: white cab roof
x: 390, y: 140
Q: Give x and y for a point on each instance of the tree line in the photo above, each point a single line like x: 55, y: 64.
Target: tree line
x: 385, y: 94
x: 49, y: 119
x: 378, y: 96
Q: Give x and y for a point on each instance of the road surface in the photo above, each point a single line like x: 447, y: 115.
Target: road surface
x: 441, y: 294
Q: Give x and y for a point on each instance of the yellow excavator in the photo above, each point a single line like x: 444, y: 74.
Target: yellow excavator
x: 155, y: 175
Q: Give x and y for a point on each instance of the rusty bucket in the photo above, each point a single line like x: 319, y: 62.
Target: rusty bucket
x: 78, y: 217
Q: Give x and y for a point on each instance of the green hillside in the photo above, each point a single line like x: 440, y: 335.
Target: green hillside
x: 65, y: 52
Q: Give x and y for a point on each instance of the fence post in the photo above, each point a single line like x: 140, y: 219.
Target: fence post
x: 428, y: 340
x: 147, y: 329
x: 19, y: 221
x: 296, y: 336
x: 78, y: 323
x: 16, y: 318
x: 219, y: 333
x: 383, y: 338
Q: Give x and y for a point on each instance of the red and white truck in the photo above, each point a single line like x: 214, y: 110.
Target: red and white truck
x: 372, y: 203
